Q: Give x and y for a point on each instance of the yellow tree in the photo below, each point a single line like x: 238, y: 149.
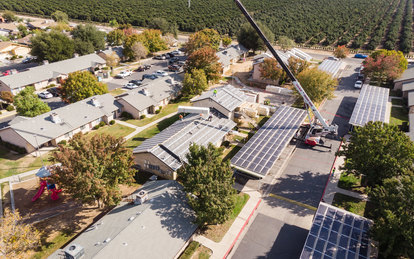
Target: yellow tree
x: 269, y: 69
x: 16, y: 236
x: 341, y: 51
x: 317, y: 84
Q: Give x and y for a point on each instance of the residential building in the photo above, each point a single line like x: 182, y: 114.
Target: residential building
x: 50, y: 128
x: 9, y: 49
x: 224, y: 99
x: 44, y: 75
x: 118, y: 51
x: 166, y: 152
x: 148, y: 98
x: 231, y: 55
x: 25, y: 40
x: 406, y: 78
x: 157, y: 226
x: 7, y: 29
x: 41, y: 24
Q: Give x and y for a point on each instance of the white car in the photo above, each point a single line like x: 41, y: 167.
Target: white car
x: 130, y: 86
x: 161, y: 73
x: 124, y: 74
x: 45, y: 95
x: 176, y: 52
x: 358, y: 84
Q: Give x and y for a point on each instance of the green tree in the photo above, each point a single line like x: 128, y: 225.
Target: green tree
x: 378, y: 151
x: 59, y: 16
x: 52, y: 46
x: 226, y: 41
x: 394, y: 216
x: 270, y: 69
x: 152, y: 40
x: 164, y: 26
x: 317, y: 84
x: 116, y: 37
x: 113, y: 23
x: 248, y: 37
x: 208, y: 181
x: 207, y: 60
x: 96, y: 165
x: 80, y: 85
x: 341, y: 51
x: 23, y: 32
x: 297, y: 65
x: 88, y: 39
x: 194, y: 83
x: 285, y: 43
x: 28, y: 103
x: 9, y: 16
x: 16, y: 237
x: 204, y: 38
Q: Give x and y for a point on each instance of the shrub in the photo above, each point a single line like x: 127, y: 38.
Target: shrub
x: 142, y: 116
x: 160, y: 108
x: 10, y: 108
x: 226, y: 144
x: 102, y: 123
x: 157, y: 111
x: 20, y: 56
x: 62, y: 142
x: 13, y: 57
x: 126, y: 115
x: 96, y: 127
x: 112, y: 122
x: 50, y: 86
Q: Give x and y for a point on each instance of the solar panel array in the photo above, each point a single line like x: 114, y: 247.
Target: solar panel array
x: 371, y: 105
x: 330, y: 66
x: 338, y: 234
x: 260, y: 153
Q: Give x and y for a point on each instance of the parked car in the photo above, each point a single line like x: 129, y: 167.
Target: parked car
x: 160, y: 73
x: 176, y: 52
x: 130, y: 86
x: 359, y: 55
x: 55, y: 91
x: 181, y: 63
x: 45, y: 95
x: 143, y: 68
x: 160, y: 57
x: 333, y: 58
x: 136, y: 82
x: 124, y: 74
x: 170, y: 55
x: 149, y: 76
x: 360, y: 77
x: 175, y: 68
x: 27, y: 60
x: 358, y: 84
x: 10, y: 72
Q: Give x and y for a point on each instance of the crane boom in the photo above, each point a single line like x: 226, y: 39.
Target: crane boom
x: 295, y: 82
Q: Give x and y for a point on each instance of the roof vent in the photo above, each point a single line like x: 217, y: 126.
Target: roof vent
x: 141, y: 197
x: 131, y: 218
x: 145, y: 92
x: 74, y: 251
x: 107, y: 240
x: 55, y: 118
x: 95, y: 102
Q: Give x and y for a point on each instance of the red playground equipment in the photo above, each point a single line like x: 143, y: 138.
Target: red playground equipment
x: 50, y: 187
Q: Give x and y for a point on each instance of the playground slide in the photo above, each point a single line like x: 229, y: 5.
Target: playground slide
x: 54, y: 196
x: 40, y: 191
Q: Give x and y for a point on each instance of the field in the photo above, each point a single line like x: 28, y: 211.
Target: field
x: 357, y: 23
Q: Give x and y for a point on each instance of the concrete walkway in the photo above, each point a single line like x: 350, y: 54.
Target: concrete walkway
x: 222, y: 249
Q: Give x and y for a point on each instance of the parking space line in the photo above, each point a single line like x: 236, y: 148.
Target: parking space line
x: 292, y: 201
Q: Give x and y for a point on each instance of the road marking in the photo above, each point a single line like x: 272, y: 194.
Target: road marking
x: 292, y: 201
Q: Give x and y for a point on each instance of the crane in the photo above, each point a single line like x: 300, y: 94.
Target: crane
x: 315, y: 131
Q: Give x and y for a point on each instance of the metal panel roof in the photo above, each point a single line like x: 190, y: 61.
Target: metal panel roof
x: 330, y: 66
x: 371, y: 105
x: 336, y: 233
x: 260, y: 153
x: 229, y: 97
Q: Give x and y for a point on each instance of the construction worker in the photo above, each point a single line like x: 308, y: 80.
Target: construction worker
x: 215, y: 93
x: 181, y: 117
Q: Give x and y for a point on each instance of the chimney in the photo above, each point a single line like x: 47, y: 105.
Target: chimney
x: 95, y: 102
x: 141, y: 197
x: 45, y: 62
x: 55, y: 118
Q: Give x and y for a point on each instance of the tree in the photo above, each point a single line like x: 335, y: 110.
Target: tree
x: 169, y: 39
x: 317, y: 84
x: 112, y: 60
x: 394, y: 217
x: 59, y: 16
x: 285, y: 43
x: 7, y: 96
x: 378, y: 151
x: 207, y: 60
x: 204, y: 38
x: 270, y: 69
x: 28, y: 103
x: 164, y: 26
x: 402, y: 61
x: 88, y: 39
x: 226, y: 40
x: 152, y: 40
x: 139, y: 50
x: 208, y: 181
x: 52, y: 46
x: 248, y: 37
x: 116, y: 37
x: 94, y: 164
x: 23, y: 32
x: 80, y: 85
x: 341, y: 51
x: 194, y: 83
x: 113, y: 23
x: 9, y: 16
x: 297, y: 65
x: 385, y: 65
x: 16, y: 236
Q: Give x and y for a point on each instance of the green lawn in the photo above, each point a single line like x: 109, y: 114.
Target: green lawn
x: 47, y: 248
x: 117, y: 130
x: 168, y: 109
x: 230, y: 152
x: 150, y: 132
x: 397, y: 101
x: 349, y: 203
x: 189, y: 251
x: 117, y: 91
x: 398, y: 116
x: 351, y: 182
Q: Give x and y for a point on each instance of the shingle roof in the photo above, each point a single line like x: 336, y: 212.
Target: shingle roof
x: 72, y: 117
x: 8, y: 26
x: 171, y: 145
x: 407, y: 75
x: 159, y: 228
x: 52, y: 70
x: 229, y: 97
x: 283, y: 55
x: 234, y: 51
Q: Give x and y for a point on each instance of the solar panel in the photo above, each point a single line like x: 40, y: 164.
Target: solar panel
x: 371, y: 105
x: 260, y: 153
x: 336, y: 233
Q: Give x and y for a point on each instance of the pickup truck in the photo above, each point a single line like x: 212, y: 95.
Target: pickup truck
x: 124, y: 74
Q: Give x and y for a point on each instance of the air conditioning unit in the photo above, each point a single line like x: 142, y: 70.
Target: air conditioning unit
x: 74, y: 251
x: 141, y: 197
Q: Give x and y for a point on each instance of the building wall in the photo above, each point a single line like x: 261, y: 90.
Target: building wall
x: 4, y: 87
x: 398, y: 85
x: 126, y: 107
x: 150, y: 163
x: 212, y: 104
x: 84, y: 129
x: 9, y: 135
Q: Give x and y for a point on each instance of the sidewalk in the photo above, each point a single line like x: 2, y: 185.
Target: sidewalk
x: 5, y: 114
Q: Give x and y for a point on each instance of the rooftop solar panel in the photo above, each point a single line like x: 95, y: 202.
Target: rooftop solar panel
x: 371, y: 105
x: 260, y: 153
x: 343, y: 235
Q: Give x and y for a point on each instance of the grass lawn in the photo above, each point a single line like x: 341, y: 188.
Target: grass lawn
x: 230, y: 152
x: 150, y: 132
x: 117, y: 91
x: 351, y: 182
x: 12, y: 164
x: 217, y: 232
x: 398, y: 116
x: 190, y: 250
x: 349, y: 203
x: 48, y: 248
x: 168, y: 109
x: 397, y: 101
x: 117, y: 130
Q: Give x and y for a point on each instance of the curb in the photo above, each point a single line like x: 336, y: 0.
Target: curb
x: 241, y: 230
x: 330, y: 172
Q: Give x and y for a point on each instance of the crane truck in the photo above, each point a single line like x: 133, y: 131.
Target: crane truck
x: 320, y: 127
